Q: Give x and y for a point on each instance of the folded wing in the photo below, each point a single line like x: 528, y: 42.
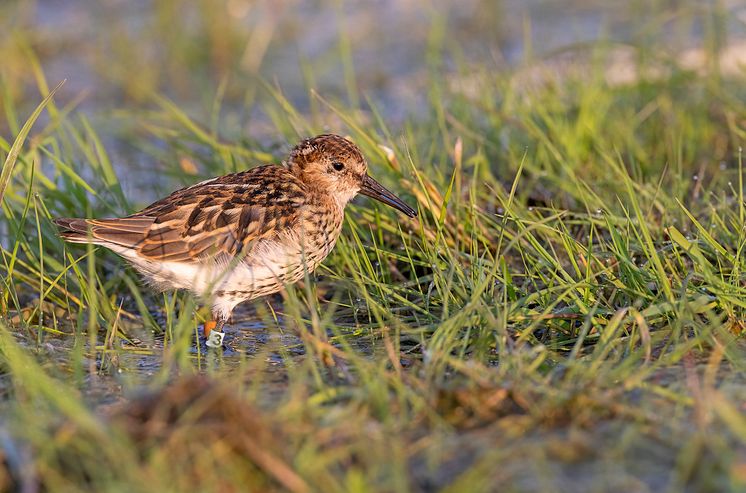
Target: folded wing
x: 220, y: 217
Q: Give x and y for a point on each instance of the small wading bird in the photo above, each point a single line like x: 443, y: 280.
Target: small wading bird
x: 244, y: 235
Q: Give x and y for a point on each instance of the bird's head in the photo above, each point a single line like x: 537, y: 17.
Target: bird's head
x: 334, y: 165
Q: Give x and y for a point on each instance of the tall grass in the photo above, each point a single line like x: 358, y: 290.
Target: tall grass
x: 566, y: 313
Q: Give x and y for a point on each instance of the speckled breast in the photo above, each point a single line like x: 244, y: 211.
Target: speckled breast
x: 321, y: 228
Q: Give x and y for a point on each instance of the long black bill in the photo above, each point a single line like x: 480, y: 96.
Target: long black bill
x: 375, y: 190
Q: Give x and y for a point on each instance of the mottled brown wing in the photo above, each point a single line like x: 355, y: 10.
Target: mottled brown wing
x: 223, y: 216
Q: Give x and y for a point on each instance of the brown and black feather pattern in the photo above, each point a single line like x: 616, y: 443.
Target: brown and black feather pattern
x: 222, y: 216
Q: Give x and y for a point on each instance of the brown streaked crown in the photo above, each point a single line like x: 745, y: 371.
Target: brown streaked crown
x: 322, y: 147
x: 329, y: 163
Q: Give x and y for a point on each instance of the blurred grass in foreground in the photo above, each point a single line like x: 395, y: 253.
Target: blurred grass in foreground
x: 565, y: 315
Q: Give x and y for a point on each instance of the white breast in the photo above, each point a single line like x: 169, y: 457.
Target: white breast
x: 270, y: 266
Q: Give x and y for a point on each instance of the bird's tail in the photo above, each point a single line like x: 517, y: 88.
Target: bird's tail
x: 74, y: 230
x: 125, y: 232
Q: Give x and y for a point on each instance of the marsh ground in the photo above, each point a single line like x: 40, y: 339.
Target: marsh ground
x: 566, y: 314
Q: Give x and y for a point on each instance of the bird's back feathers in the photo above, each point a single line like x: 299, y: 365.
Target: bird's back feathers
x: 222, y: 216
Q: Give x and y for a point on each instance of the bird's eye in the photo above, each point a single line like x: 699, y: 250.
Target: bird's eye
x: 338, y: 166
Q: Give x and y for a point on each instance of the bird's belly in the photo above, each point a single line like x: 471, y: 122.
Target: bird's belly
x: 251, y: 281
x: 259, y: 275
x: 267, y: 274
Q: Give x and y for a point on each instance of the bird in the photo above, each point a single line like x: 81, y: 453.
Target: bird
x: 244, y: 235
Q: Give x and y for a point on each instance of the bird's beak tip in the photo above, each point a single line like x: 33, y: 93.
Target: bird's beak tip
x: 375, y: 190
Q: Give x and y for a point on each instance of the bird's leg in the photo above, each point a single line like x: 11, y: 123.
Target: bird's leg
x: 209, y: 327
x: 214, y: 331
